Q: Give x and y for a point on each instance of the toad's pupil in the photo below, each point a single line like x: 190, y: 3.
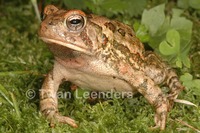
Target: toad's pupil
x: 75, y: 21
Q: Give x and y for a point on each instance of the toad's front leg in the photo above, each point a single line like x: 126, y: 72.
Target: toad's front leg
x: 49, y: 101
x: 154, y: 95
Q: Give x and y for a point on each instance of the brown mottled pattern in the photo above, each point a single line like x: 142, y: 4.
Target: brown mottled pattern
x: 124, y: 53
x: 121, y: 31
x: 103, y: 39
x: 124, y: 50
x: 111, y: 26
x: 84, y: 36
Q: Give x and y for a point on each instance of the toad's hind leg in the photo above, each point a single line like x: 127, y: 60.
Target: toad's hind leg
x: 154, y: 96
x: 160, y: 72
x: 174, y: 84
x: 49, y: 101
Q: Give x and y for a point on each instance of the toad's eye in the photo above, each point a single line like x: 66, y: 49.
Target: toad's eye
x: 75, y: 23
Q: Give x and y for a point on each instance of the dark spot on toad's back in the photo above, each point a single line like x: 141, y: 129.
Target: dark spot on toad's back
x: 110, y: 26
x: 121, y: 31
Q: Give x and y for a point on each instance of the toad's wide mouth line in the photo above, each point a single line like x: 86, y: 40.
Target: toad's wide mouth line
x: 66, y: 44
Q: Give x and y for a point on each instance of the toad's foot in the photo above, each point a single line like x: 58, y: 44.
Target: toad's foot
x: 161, y: 116
x: 62, y: 119
x: 48, y: 107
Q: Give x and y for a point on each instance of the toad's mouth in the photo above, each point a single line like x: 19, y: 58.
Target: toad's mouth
x: 66, y: 44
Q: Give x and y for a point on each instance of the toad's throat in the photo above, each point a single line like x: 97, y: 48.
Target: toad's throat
x: 66, y: 44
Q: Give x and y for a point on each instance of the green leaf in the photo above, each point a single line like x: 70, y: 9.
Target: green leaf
x: 194, y: 4
x: 187, y: 80
x: 155, y: 41
x: 179, y: 63
x: 197, y: 84
x: 186, y: 61
x: 172, y: 43
x: 154, y: 18
x: 183, y: 4
x: 184, y: 27
x: 181, y: 23
x: 173, y: 38
x: 165, y: 48
x: 186, y: 77
x: 177, y: 12
x: 141, y: 33
x: 164, y: 28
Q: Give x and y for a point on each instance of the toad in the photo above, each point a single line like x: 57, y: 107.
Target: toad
x: 100, y: 54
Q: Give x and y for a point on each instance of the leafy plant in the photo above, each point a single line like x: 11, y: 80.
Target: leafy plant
x: 171, y: 46
x: 170, y: 36
x: 190, y: 83
x: 154, y: 18
x: 172, y: 43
